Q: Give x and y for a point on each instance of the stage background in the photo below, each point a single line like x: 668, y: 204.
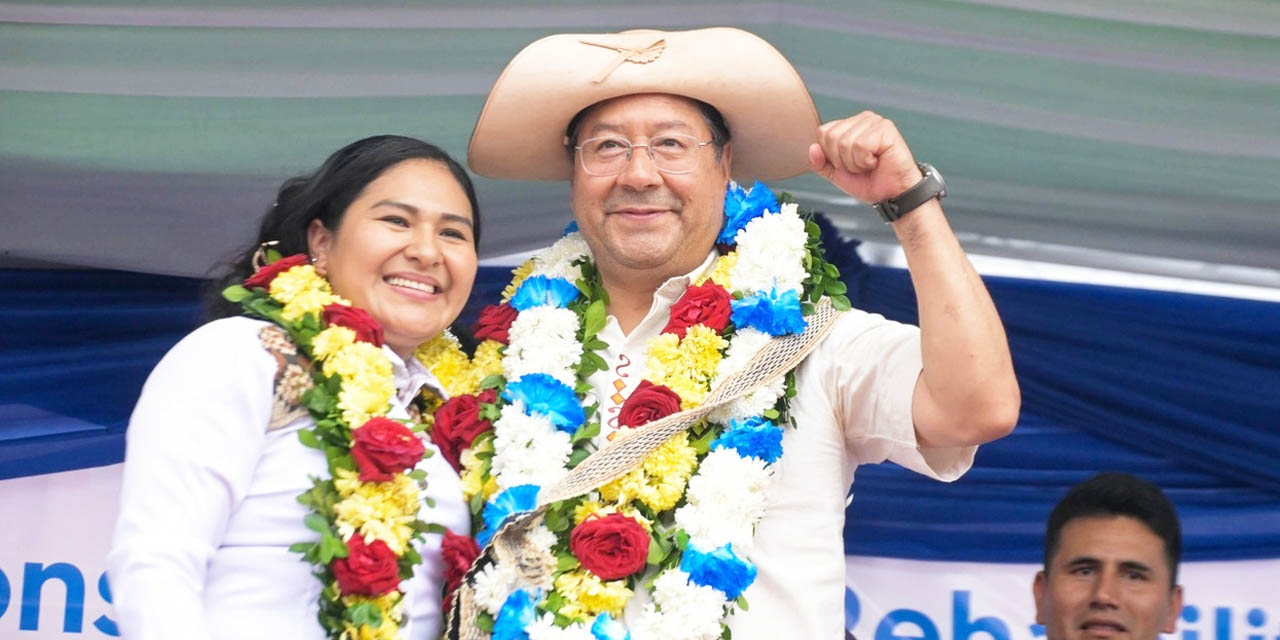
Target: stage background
x: 140, y: 140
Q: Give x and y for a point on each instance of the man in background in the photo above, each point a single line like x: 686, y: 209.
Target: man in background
x: 1111, y: 554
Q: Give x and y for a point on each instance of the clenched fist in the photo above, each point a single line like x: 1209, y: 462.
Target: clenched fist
x: 865, y: 156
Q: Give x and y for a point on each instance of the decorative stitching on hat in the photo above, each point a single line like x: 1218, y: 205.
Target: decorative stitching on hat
x: 627, y: 54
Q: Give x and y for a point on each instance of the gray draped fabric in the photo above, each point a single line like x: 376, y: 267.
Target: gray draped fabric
x: 150, y: 135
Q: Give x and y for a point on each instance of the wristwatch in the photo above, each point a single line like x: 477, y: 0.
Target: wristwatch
x: 930, y: 186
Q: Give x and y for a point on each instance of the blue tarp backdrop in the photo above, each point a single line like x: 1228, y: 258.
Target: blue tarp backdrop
x: 1181, y: 389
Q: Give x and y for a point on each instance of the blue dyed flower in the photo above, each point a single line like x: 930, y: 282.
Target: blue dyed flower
x: 570, y: 228
x: 776, y: 314
x: 606, y: 628
x: 752, y: 438
x: 516, y: 614
x: 544, y: 395
x: 721, y: 569
x: 741, y: 207
x: 541, y: 291
x: 517, y: 499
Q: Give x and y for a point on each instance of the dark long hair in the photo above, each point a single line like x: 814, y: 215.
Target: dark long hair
x: 325, y: 195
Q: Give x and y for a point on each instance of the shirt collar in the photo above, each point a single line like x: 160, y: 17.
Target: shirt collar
x: 410, y: 377
x: 666, y: 295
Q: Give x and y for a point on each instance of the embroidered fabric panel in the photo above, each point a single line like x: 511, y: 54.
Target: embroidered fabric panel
x: 292, y: 377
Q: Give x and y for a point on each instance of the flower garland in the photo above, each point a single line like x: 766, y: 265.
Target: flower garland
x: 366, y: 512
x: 681, y: 525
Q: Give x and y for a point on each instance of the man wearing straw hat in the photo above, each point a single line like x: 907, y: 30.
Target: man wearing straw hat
x: 677, y: 286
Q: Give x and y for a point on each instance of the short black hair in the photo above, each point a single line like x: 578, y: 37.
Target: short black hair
x: 1118, y: 494
x: 715, y: 122
x: 324, y: 195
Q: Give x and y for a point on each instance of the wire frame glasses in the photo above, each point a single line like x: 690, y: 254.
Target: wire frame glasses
x: 609, y: 155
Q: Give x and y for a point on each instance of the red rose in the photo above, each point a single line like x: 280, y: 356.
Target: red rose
x: 494, y: 321
x: 611, y: 547
x: 368, y: 569
x: 358, y: 320
x: 458, y: 422
x: 647, y: 403
x: 458, y: 553
x: 262, y: 277
x: 707, y: 304
x: 383, y: 447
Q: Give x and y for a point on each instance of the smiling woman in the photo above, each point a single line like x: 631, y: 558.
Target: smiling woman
x: 298, y: 422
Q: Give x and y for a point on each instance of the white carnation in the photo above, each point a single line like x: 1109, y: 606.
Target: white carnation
x: 745, y: 344
x: 493, y: 585
x: 726, y: 499
x: 556, y: 261
x: 542, y: 537
x: 528, y: 449
x: 543, y: 340
x: 680, y: 610
x: 544, y: 628
x: 752, y: 404
x: 771, y: 253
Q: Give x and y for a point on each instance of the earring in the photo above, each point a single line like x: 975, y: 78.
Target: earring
x: 259, y: 258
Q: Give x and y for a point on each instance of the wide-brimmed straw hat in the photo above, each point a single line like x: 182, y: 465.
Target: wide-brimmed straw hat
x: 521, y: 130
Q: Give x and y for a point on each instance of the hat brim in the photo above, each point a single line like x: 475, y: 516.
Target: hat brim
x: 771, y: 117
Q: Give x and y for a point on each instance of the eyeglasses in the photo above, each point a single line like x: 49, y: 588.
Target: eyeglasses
x: 608, y: 155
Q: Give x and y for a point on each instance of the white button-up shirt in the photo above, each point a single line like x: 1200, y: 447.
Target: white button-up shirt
x: 208, y: 507
x: 853, y: 406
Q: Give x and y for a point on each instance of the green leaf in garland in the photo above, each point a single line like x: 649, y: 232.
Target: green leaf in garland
x: 476, y: 503
x: 593, y: 319
x: 492, y: 382
x: 317, y: 523
x: 236, y: 293
x: 364, y: 614
x: 566, y: 562
x: 555, y: 521
x: 273, y: 256
x: 835, y: 287
x: 840, y: 303
x: 309, y: 439
x: 682, y: 539
x: 331, y: 547
x: 577, y: 457
x: 301, y: 547
x: 831, y: 270
x: 586, y: 432
x: 484, y: 621
x: 742, y: 602
x: 317, y: 399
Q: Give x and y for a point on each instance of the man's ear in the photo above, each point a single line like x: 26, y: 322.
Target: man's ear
x: 726, y: 158
x: 1038, y: 587
x: 1175, y: 610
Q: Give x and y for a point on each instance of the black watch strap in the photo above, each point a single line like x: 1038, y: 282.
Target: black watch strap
x: 930, y: 186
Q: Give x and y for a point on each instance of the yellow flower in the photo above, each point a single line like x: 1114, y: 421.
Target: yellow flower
x: 660, y: 481
x: 719, y: 272
x: 591, y: 508
x: 587, y: 595
x: 390, y: 605
x: 490, y: 487
x: 517, y: 278
x: 380, y: 510
x: 367, y: 381
x: 685, y: 366
x: 312, y: 302
x: 444, y: 358
x: 331, y: 341
x: 358, y: 361
x: 287, y: 286
x: 359, y: 402
x: 488, y: 359
x: 346, y: 481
